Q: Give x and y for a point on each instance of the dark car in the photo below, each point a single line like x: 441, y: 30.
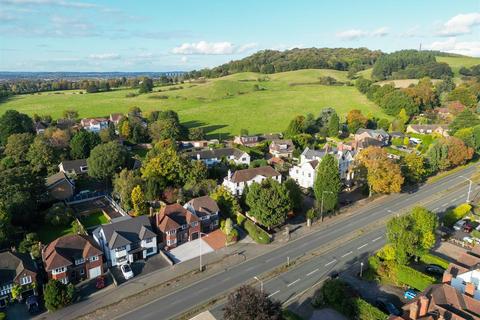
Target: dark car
x: 434, y: 269
x: 33, y: 304
x: 334, y: 275
x: 387, y: 307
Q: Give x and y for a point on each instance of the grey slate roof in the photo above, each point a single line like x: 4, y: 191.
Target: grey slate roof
x: 127, y: 231
x: 216, y: 153
x: 74, y: 165
x: 374, y: 133
x: 312, y: 154
x: 12, y: 264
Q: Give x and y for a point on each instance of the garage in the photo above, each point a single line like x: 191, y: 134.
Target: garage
x: 94, y: 272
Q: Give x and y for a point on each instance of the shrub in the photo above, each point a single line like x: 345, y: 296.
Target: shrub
x: 432, y: 259
x: 365, y: 311
x: 456, y: 214
x: 3, y: 316
x: 256, y: 233
x: 58, y: 295
x: 59, y: 215
x: 413, y: 278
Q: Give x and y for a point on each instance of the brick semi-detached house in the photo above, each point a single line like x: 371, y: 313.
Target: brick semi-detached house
x: 176, y: 225
x: 73, y: 258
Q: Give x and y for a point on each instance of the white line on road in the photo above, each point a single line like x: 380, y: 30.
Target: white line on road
x: 333, y: 261
x: 273, y: 293
x: 389, y: 210
x: 292, y: 283
x: 312, y: 272
x: 346, y: 254
x: 445, y: 204
x: 376, y: 239
x: 436, y: 209
x: 366, y: 244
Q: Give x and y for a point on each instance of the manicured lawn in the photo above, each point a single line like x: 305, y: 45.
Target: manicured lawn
x: 221, y: 106
x: 94, y: 219
x: 47, y: 233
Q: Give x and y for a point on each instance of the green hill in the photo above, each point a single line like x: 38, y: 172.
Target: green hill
x: 457, y: 62
x: 223, y: 105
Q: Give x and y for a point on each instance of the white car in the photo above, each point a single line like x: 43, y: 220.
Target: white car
x: 459, y: 225
x: 126, y: 271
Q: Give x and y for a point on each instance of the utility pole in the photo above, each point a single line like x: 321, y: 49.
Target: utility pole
x: 261, y: 283
x: 469, y: 187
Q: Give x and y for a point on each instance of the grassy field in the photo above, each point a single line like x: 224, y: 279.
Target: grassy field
x: 403, y: 83
x: 47, y: 233
x: 222, y: 106
x: 457, y: 62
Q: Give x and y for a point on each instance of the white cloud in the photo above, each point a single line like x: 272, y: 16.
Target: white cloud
x: 184, y: 59
x: 354, y: 34
x: 380, y: 32
x: 460, y: 24
x: 212, y: 48
x: 105, y: 56
x: 411, y: 32
x: 451, y: 45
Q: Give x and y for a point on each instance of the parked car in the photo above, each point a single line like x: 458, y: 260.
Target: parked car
x: 126, y: 271
x: 410, y: 294
x: 33, y: 304
x: 387, y: 307
x: 434, y: 269
x: 459, y: 225
x: 334, y: 275
x: 467, y: 227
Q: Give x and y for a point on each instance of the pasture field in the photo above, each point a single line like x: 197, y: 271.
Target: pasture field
x: 457, y: 62
x: 223, y: 106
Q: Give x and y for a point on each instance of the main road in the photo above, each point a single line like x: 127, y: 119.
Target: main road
x: 286, y: 286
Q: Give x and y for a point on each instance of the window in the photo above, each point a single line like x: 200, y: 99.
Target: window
x: 149, y: 240
x: 149, y: 250
x: 64, y: 280
x: 82, y: 272
x: 59, y: 270
x: 79, y: 261
x: 26, y: 280
x: 194, y: 223
x: 185, y: 226
x: 93, y: 258
x: 83, y: 168
x: 169, y: 242
x: 120, y: 249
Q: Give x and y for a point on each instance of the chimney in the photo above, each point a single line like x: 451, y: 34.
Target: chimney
x: 447, y: 278
x: 229, y: 174
x: 423, y: 306
x: 414, y: 311
x: 470, y: 289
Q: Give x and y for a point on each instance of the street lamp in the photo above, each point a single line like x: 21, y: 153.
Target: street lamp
x: 469, y: 187
x: 201, y: 266
x: 361, y: 269
x: 261, y: 283
x: 321, y: 207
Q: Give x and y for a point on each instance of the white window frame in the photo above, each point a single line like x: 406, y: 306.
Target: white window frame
x: 149, y: 240
x: 25, y: 280
x: 79, y: 261
x: 64, y: 280
x: 59, y: 270
x: 82, y: 271
x: 94, y: 258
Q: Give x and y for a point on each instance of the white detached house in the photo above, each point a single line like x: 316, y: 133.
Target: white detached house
x: 237, y: 181
x: 304, y: 173
x: 126, y: 240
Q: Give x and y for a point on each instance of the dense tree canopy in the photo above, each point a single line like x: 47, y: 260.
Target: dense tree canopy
x: 105, y: 160
x: 12, y: 122
x: 248, y: 303
x: 327, y: 183
x: 82, y: 143
x: 58, y: 295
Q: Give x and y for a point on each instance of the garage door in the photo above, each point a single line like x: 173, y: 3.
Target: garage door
x: 94, y: 272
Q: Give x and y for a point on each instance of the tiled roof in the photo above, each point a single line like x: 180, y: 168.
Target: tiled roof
x: 65, y: 250
x: 173, y: 216
x: 14, y: 263
x: 69, y: 165
x: 249, y: 174
x: 282, y: 145
x: 126, y: 231
x: 204, y: 205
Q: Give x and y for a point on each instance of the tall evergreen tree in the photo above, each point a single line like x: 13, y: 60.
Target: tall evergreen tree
x: 327, y: 183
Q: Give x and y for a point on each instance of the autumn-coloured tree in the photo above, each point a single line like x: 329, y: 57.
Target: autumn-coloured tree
x: 138, y: 201
x: 383, y: 175
x: 356, y: 120
x: 423, y: 94
x: 458, y: 152
x: 413, y: 167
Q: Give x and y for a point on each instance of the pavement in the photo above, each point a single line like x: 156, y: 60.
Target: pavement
x: 189, y: 250
x: 342, y: 253
x: 335, y: 244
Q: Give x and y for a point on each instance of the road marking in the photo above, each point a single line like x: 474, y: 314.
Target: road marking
x: 453, y: 200
x: 346, y: 254
x: 292, y: 283
x: 366, y: 244
x: 273, y: 293
x: 445, y: 204
x: 333, y: 261
x: 376, y: 239
x: 270, y: 259
x: 389, y: 210
x: 312, y: 272
x: 436, y: 209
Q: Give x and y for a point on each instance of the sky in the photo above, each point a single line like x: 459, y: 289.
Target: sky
x: 182, y: 35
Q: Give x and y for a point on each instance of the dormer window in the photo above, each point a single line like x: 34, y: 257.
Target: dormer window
x: 79, y: 261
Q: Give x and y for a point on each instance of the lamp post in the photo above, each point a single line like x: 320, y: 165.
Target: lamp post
x: 261, y: 283
x: 469, y: 187
x: 321, y: 206
x: 201, y: 266
x: 361, y: 269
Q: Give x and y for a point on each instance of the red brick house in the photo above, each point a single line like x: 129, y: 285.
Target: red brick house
x: 176, y: 225
x: 206, y: 209
x: 73, y: 258
x: 16, y: 269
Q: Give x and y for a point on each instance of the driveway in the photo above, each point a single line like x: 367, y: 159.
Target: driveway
x: 141, y: 267
x: 189, y: 250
